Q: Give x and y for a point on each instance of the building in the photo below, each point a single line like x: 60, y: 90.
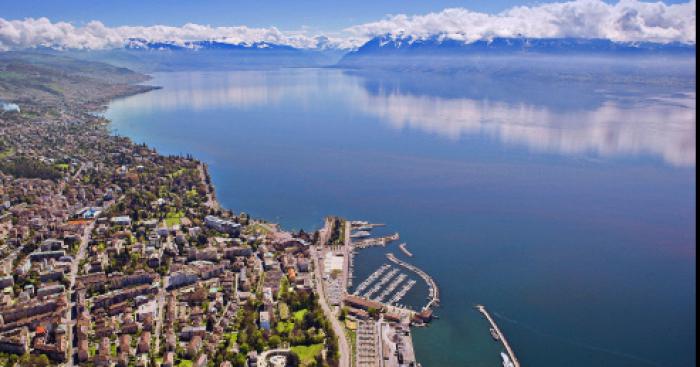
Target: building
x: 265, y: 320
x: 121, y: 221
x: 223, y: 225
x: 362, y: 303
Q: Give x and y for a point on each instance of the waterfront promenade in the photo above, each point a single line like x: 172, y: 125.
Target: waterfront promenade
x: 501, y: 337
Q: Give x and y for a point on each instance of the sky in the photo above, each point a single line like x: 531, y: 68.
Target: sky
x: 322, y: 15
x: 102, y: 24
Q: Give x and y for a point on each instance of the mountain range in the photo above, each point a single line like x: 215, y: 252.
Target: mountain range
x: 437, y: 51
x: 385, y: 47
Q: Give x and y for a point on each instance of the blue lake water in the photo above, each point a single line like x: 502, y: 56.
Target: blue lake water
x: 568, y: 209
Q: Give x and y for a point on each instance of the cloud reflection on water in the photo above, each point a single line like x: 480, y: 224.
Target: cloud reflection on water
x: 662, y: 127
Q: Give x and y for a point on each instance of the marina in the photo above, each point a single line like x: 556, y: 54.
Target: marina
x: 433, y: 291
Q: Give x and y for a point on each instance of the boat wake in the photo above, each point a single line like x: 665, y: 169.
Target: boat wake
x: 575, y: 342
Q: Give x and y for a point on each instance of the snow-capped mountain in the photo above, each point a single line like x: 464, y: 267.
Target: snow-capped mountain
x: 142, y: 44
x: 442, y: 46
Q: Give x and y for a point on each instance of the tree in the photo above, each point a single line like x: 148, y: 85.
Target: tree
x: 274, y: 341
x: 293, y: 360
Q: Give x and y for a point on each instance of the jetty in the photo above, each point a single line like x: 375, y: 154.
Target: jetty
x: 378, y: 241
x: 500, y: 335
x: 433, y: 291
x: 403, y: 248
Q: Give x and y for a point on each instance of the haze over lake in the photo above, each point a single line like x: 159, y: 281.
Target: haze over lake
x: 567, y: 207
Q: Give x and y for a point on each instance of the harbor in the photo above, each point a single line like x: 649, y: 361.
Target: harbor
x: 509, y: 359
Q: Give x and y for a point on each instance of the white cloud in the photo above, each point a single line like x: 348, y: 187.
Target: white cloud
x: 627, y: 20
x: 41, y: 32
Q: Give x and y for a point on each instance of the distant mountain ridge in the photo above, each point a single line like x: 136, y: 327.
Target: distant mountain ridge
x: 142, y: 44
x: 440, y: 45
x: 150, y: 56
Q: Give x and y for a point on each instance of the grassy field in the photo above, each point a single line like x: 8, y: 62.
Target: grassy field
x: 7, y: 153
x: 307, y: 353
x: 173, y: 218
x: 257, y: 228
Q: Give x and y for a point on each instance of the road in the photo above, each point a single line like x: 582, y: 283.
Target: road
x: 75, y: 267
x: 347, y: 252
x: 338, y: 329
x: 159, y: 317
x: 211, y: 199
x: 87, y: 233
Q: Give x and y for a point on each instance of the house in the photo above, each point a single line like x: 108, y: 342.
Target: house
x: 83, y: 350
x: 201, y: 361
x: 15, y: 341
x: 144, y: 345
x: 6, y: 281
x: 121, y: 221
x: 168, y: 360
x: 194, y: 346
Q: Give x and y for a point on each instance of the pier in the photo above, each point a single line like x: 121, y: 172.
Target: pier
x: 406, y: 287
x: 433, y: 291
x: 405, y: 250
x: 394, y: 284
x: 374, y: 276
x: 501, y: 337
x: 381, y: 282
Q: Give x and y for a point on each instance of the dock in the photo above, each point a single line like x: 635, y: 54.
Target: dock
x: 500, y: 335
x: 385, y: 279
x: 370, y: 279
x: 433, y: 291
x: 392, y: 286
x: 406, y: 287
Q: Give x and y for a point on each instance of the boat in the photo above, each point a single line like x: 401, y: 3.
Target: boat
x: 506, y: 361
x: 494, y: 334
x: 360, y: 234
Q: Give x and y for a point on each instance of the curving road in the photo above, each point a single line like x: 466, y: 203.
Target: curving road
x: 343, y: 344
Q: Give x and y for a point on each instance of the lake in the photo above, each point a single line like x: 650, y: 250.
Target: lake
x: 566, y: 208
